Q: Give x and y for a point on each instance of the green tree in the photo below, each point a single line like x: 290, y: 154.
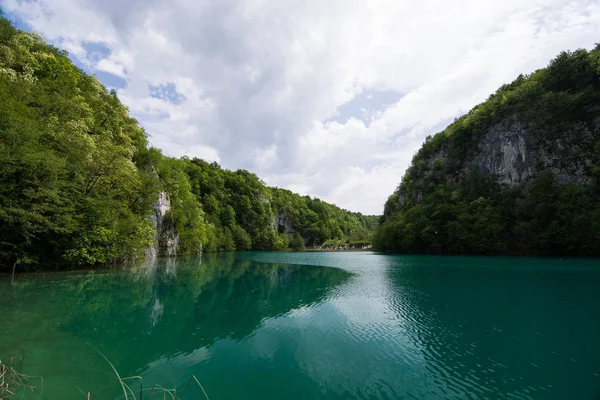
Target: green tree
x: 447, y: 202
x: 243, y: 241
x: 226, y: 242
x: 297, y: 243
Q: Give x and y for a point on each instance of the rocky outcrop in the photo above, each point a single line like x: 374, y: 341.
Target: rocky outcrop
x: 283, y: 224
x: 513, y: 152
x: 504, y: 153
x: 518, y: 174
x: 166, y: 239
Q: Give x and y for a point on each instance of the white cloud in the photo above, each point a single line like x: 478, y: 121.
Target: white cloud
x: 266, y: 157
x: 262, y: 78
x: 110, y: 66
x: 206, y: 153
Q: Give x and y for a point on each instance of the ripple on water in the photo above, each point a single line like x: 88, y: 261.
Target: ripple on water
x: 373, y: 327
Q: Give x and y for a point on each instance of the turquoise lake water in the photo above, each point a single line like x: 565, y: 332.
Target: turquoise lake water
x: 312, y: 326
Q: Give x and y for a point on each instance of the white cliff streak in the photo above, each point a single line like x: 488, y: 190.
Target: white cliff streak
x: 166, y: 239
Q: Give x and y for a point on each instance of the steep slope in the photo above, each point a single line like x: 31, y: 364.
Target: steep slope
x: 77, y: 180
x: 517, y: 174
x: 245, y: 214
x: 79, y: 185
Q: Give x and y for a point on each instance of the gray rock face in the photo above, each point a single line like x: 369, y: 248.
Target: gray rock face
x: 283, y: 224
x: 511, y: 152
x: 515, y: 151
x: 504, y: 152
x: 166, y: 239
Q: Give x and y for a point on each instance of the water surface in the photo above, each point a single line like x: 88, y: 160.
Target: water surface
x: 313, y: 326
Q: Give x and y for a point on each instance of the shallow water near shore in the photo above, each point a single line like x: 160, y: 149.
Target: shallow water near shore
x: 312, y: 325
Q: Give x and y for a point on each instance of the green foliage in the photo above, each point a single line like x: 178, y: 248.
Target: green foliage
x: 186, y: 215
x: 297, y: 243
x: 446, y: 203
x: 71, y: 180
x: 317, y: 221
x: 243, y: 241
x: 226, y: 242
x: 346, y: 244
x: 78, y: 181
x: 239, y: 202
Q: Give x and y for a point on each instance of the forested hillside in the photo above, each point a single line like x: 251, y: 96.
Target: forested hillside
x: 80, y: 186
x: 517, y: 175
x: 243, y: 213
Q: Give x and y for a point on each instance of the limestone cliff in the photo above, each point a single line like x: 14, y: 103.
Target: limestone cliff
x: 512, y: 152
x: 283, y: 224
x: 166, y: 239
x: 518, y: 174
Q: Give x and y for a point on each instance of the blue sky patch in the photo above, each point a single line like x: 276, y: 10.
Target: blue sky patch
x: 17, y: 21
x: 96, y: 51
x: 364, y: 105
x: 110, y: 81
x: 167, y: 93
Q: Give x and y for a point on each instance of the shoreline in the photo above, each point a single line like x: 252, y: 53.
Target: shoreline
x: 339, y: 250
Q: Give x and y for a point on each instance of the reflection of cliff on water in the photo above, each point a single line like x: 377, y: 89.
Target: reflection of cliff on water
x: 180, y: 305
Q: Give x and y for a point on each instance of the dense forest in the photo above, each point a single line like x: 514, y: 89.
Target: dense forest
x: 79, y: 182
x: 242, y: 213
x: 517, y: 175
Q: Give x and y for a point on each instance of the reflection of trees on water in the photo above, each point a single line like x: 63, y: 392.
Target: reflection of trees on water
x: 179, y: 305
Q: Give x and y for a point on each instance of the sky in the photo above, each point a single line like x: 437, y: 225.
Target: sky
x: 329, y: 98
